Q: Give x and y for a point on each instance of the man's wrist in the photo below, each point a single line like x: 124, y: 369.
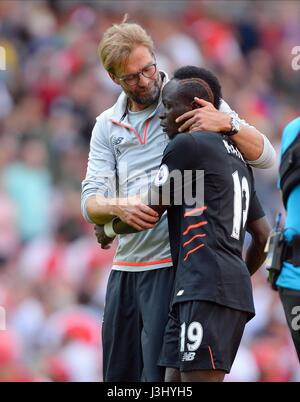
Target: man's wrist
x: 235, y: 126
x: 117, y: 207
x: 114, y: 210
x: 226, y: 124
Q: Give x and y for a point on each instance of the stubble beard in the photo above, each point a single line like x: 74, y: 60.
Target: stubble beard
x: 149, y: 99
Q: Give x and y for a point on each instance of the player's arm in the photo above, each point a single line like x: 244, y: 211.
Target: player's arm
x: 259, y: 229
x: 254, y: 146
x: 255, y: 256
x: 131, y: 210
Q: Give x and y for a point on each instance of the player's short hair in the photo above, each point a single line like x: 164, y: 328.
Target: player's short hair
x: 188, y: 88
x: 118, y: 42
x: 205, y: 75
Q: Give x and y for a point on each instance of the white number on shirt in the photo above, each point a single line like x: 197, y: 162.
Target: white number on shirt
x: 241, y: 189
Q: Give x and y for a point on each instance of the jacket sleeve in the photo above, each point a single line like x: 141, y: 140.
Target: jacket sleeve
x: 101, y: 169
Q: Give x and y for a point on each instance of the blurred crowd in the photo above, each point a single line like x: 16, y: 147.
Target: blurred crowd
x: 52, y: 272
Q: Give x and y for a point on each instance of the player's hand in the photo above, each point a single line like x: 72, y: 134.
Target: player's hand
x: 136, y: 214
x: 205, y: 118
x: 102, y: 239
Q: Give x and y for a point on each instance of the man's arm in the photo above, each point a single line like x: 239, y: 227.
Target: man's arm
x: 99, y: 203
x: 131, y: 210
x: 120, y: 227
x: 100, y: 177
x: 154, y: 201
x: 255, y: 256
x: 254, y: 146
x: 106, y: 233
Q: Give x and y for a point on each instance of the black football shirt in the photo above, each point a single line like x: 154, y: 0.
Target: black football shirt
x: 207, y: 232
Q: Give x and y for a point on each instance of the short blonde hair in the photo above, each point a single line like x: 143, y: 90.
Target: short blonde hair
x: 118, y: 42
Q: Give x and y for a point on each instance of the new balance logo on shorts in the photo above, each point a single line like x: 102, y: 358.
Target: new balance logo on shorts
x: 188, y: 356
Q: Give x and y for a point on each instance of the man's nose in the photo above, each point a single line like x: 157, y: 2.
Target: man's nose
x: 162, y: 115
x: 143, y: 81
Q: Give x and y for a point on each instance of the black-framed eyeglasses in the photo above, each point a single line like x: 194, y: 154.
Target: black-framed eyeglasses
x: 133, y: 79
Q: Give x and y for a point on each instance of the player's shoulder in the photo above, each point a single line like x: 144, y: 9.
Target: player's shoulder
x: 209, y: 142
x: 181, y: 151
x: 183, y: 138
x: 207, y: 137
x: 192, y: 140
x: 180, y: 142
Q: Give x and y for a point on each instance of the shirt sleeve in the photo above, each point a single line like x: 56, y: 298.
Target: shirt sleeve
x: 255, y: 209
x: 101, y: 169
x: 267, y: 158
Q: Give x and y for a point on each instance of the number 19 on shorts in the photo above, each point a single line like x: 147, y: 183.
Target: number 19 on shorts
x: 190, y: 340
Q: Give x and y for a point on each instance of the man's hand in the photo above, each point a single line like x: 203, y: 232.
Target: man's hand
x: 102, y: 239
x: 205, y: 118
x: 136, y: 214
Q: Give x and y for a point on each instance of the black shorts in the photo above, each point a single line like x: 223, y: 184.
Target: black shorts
x: 135, y: 317
x: 202, y: 335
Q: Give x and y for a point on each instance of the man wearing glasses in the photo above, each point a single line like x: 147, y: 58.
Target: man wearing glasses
x: 127, y: 144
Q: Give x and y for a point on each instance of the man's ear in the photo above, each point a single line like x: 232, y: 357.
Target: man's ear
x: 114, y: 78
